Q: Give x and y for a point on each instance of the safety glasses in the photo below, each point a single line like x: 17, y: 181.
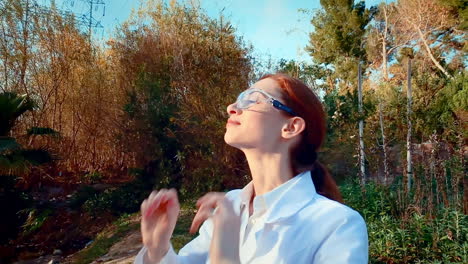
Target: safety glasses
x: 253, y: 96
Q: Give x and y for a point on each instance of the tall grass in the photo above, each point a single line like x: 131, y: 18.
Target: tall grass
x: 401, y: 231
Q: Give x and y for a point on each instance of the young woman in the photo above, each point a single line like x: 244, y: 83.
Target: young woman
x: 291, y: 211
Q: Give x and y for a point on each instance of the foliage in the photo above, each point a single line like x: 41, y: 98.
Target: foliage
x: 45, y: 57
x: 14, y: 158
x: 414, y: 239
x: 337, y: 40
x: 150, y: 106
x: 92, y: 177
x: 445, y: 113
x: 12, y: 106
x: 81, y: 196
x: 373, y: 201
x: 35, y: 219
x: 191, y: 68
x: 119, y: 200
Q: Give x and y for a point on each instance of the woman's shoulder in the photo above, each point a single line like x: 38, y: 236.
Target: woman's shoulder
x: 332, y: 212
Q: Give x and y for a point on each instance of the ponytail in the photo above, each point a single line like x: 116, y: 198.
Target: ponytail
x: 324, y: 183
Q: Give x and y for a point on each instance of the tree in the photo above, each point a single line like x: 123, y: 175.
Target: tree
x: 337, y: 44
x: 382, y: 41
x: 434, y: 27
x: 14, y: 158
x: 175, y: 55
x: 407, y: 54
x: 308, y: 73
x: 337, y: 40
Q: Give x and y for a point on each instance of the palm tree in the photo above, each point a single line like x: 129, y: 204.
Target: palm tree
x: 14, y: 158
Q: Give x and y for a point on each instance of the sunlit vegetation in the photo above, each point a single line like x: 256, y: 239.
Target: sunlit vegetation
x: 88, y: 129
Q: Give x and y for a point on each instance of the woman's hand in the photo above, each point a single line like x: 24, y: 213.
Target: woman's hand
x: 205, y: 205
x: 159, y: 217
x: 224, y: 247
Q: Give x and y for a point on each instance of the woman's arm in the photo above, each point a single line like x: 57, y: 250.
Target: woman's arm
x: 196, y: 251
x: 224, y: 248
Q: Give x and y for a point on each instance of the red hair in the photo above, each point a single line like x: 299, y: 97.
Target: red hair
x: 306, y: 104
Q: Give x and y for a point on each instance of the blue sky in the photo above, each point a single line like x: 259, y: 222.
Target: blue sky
x: 273, y: 27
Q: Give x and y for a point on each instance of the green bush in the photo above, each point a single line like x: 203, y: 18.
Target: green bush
x: 92, y: 177
x: 36, y: 217
x: 420, y: 239
x: 82, y: 195
x: 394, y: 238
x: 124, y: 199
x: 373, y: 201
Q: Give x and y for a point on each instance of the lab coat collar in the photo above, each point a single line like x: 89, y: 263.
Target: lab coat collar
x: 289, y: 201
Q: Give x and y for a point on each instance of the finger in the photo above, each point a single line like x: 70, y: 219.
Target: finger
x: 209, y: 197
x: 201, y: 200
x: 199, y: 218
x: 210, y: 203
x: 154, y: 203
x: 144, y: 206
x: 152, y: 194
x: 171, y: 196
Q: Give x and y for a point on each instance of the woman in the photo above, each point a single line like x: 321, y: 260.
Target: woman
x: 291, y: 211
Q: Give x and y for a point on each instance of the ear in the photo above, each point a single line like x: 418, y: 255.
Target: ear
x: 293, y: 127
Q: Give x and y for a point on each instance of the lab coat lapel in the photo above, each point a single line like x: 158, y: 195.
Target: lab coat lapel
x: 298, y: 195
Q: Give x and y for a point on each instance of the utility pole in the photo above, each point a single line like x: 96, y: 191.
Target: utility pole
x: 88, y: 18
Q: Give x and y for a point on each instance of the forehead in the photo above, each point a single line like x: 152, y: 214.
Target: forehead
x: 270, y: 86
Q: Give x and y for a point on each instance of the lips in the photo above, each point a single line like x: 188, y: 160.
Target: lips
x: 230, y: 121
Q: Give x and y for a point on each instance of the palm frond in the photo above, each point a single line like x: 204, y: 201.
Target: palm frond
x: 8, y: 144
x: 13, y: 165
x: 36, y: 156
x: 42, y: 131
x: 12, y: 106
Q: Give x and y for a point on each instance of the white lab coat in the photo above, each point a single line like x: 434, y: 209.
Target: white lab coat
x: 297, y: 225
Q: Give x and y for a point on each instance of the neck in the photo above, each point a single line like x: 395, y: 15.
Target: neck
x: 269, y: 170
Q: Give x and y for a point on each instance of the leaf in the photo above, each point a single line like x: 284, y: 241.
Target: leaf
x: 36, y: 156
x: 8, y: 144
x: 12, y: 106
x: 42, y: 131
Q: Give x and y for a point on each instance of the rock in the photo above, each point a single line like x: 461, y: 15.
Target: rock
x: 57, y: 252
x: 53, y: 261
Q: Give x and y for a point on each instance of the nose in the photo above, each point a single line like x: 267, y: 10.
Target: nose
x: 232, y: 109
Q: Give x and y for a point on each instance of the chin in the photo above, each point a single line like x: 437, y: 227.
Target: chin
x: 240, y: 143
x: 228, y: 139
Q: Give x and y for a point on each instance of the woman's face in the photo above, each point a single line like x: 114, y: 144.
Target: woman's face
x: 259, y: 126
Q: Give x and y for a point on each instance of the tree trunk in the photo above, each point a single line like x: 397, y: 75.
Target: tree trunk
x: 465, y: 195
x: 362, y: 157
x: 384, y: 47
x: 384, y: 143
x: 24, y: 48
x: 385, y: 76
x: 409, y: 168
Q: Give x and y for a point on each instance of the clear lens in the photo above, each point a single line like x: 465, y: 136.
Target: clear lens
x: 248, y: 98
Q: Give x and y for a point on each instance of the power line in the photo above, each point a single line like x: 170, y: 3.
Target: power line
x: 88, y: 18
